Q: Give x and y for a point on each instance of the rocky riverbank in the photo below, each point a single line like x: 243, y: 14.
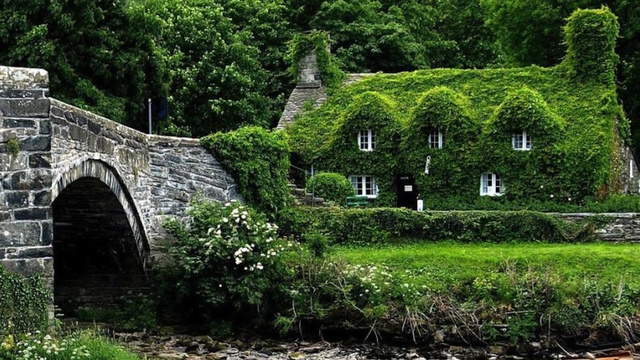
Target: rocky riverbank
x: 187, y: 347
x: 205, y: 348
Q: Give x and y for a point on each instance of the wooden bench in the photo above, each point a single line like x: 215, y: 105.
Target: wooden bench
x: 357, y: 201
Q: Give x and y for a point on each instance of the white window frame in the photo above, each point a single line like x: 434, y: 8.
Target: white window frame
x: 521, y: 141
x: 367, y: 140
x: 436, y: 139
x: 364, y: 185
x: 491, y: 184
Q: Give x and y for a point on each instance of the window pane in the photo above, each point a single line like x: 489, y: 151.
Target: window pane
x: 372, y: 139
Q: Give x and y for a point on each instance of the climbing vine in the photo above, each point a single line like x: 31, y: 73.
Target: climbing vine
x: 368, y: 111
x: 24, y: 303
x: 575, y: 128
x: 258, y: 160
x: 318, y: 41
x: 591, y: 38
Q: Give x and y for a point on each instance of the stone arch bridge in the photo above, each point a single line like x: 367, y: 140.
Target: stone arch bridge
x: 83, y: 198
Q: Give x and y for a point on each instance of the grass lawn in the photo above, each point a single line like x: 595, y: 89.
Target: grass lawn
x: 443, y: 264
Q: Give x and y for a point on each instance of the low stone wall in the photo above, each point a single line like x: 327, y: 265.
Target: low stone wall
x: 624, y: 226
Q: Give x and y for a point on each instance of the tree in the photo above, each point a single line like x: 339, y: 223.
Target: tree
x: 217, y: 82
x: 99, y: 53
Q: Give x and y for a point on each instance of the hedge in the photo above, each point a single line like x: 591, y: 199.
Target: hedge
x: 383, y: 225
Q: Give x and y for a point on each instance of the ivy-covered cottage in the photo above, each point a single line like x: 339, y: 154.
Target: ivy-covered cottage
x: 531, y: 134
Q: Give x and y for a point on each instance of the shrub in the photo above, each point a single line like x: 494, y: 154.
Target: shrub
x: 330, y: 186
x: 24, y: 303
x: 258, y: 160
x: 229, y: 264
x: 75, y: 346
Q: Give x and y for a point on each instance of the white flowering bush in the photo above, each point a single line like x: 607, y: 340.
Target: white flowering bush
x: 229, y: 262
x: 73, y: 346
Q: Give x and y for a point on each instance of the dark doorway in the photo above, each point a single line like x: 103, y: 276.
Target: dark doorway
x: 96, y: 261
x: 407, y: 192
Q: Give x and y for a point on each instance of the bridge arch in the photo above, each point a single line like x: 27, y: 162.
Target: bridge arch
x: 97, y: 169
x: 100, y: 248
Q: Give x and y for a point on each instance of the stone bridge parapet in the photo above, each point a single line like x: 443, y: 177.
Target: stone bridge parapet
x: 47, y: 145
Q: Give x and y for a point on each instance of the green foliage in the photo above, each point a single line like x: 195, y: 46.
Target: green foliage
x: 318, y: 42
x: 441, y: 109
x: 24, y: 303
x: 529, y: 32
x: 217, y: 82
x: 13, y: 146
x: 330, y: 186
x: 499, y: 292
x: 258, y: 160
x: 529, y: 174
x: 116, y: 67
x: 368, y: 111
x: 591, y: 38
x: 229, y: 265
x: 384, y: 225
x: 137, y: 313
x: 75, y: 346
x: 611, y: 204
x: 575, y: 129
x: 470, y: 42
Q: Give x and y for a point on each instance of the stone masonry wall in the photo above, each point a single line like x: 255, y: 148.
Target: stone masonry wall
x: 625, y: 227
x: 25, y: 171
x: 152, y: 176
x: 179, y: 170
x: 308, y: 90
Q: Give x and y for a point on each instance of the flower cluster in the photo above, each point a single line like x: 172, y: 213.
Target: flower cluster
x: 379, y: 283
x: 230, y: 251
x: 38, y: 347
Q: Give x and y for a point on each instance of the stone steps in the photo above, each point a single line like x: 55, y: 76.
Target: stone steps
x: 301, y: 197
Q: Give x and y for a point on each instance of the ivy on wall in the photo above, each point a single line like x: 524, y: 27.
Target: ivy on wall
x: 317, y: 41
x: 451, y: 168
x: 576, y: 127
x: 367, y: 111
x: 529, y: 173
x: 24, y: 303
x: 591, y: 38
x: 258, y: 160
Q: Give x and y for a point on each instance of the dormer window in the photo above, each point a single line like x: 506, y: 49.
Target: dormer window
x: 491, y: 185
x: 521, y: 141
x: 367, y: 140
x: 436, y: 139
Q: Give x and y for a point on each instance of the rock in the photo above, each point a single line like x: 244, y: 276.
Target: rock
x: 495, y: 350
x: 311, y: 349
x: 214, y: 346
x: 297, y: 355
x: 411, y: 355
x: 193, y: 348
